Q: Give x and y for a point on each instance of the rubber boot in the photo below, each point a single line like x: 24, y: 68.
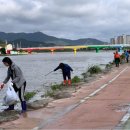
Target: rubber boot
x: 69, y: 82
x: 24, y: 106
x: 11, y: 107
x: 64, y: 83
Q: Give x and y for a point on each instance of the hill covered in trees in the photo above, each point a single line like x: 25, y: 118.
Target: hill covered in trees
x: 38, y: 39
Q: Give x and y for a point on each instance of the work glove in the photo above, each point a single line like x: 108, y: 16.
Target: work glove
x: 2, y: 85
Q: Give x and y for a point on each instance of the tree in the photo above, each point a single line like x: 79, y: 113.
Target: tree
x: 3, y: 51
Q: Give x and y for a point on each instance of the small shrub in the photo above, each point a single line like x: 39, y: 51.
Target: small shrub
x: 111, y: 63
x: 84, y: 75
x: 76, y: 79
x: 53, y: 90
x: 94, y: 69
x: 108, y: 66
x: 56, y: 87
x: 49, y: 93
x: 29, y: 95
x: 122, y: 56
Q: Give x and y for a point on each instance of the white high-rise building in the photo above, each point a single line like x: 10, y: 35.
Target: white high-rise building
x: 112, y: 40
x: 120, y: 40
x: 126, y: 39
x: 123, y: 39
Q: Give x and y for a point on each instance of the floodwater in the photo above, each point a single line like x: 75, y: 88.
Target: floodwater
x: 36, y: 66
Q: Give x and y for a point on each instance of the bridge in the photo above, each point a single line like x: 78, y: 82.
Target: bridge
x: 74, y: 48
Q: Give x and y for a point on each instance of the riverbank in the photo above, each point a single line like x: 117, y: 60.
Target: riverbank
x: 14, y: 54
x: 44, y: 63
x: 59, y: 108
x: 40, y: 98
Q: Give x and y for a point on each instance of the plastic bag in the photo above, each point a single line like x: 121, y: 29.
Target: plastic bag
x: 11, y: 96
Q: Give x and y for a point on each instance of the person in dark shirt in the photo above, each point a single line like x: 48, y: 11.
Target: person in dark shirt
x: 126, y: 56
x: 66, y: 71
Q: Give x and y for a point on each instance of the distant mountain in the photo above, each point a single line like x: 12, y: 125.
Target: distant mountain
x: 41, y: 39
x: 25, y: 43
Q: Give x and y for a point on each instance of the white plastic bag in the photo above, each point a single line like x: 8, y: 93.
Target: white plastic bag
x: 11, y: 96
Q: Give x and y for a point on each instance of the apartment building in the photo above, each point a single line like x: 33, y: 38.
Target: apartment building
x: 123, y: 39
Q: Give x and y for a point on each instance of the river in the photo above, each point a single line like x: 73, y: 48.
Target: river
x: 36, y: 66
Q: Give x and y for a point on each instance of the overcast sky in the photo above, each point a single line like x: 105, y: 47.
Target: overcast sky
x: 73, y: 19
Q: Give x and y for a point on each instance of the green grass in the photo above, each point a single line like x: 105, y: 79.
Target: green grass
x: 59, y: 87
x: 29, y: 95
x: 56, y: 87
x: 108, y: 66
x: 76, y: 79
x: 95, y: 69
x: 122, y: 56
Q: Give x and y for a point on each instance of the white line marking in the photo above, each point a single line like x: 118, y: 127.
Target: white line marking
x: 102, y: 87
x: 86, y: 98
x: 125, y: 118
x: 96, y: 91
x: 36, y: 128
x: 81, y: 101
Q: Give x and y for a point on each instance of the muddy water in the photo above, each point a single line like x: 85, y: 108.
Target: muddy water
x: 36, y: 66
